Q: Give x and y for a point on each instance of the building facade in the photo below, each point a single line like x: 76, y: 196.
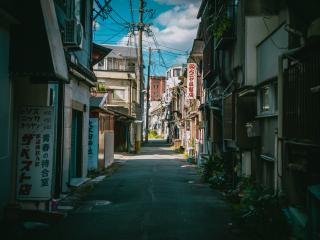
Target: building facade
x: 47, y: 100
x: 116, y: 75
x: 157, y: 87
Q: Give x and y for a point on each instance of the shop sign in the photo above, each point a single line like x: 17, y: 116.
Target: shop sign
x: 191, y: 81
x: 35, y: 153
x: 93, y: 143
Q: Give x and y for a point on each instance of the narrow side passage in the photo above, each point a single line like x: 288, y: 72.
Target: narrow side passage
x: 151, y: 197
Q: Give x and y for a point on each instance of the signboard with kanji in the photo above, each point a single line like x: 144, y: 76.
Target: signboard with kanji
x: 192, y: 81
x: 93, y: 144
x: 35, y: 153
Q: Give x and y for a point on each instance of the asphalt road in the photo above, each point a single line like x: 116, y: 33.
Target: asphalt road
x: 153, y: 196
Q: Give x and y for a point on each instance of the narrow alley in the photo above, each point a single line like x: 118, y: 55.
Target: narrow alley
x: 154, y: 195
x: 160, y: 119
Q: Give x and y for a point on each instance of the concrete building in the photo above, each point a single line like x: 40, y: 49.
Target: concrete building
x: 157, y: 87
x: 47, y: 98
x: 252, y: 114
x: 174, y: 77
x: 116, y: 75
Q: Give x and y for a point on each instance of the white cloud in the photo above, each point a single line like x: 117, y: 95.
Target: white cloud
x: 175, y: 28
x: 178, y: 27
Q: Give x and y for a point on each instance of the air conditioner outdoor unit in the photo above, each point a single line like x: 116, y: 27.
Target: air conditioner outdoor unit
x: 73, y: 34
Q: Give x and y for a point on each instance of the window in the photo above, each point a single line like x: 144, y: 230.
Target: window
x: 176, y: 72
x: 265, y: 103
x: 168, y: 74
x: 101, y: 64
x: 118, y: 94
x: 134, y: 93
x: 268, y: 98
x: 110, y: 64
x: 115, y: 64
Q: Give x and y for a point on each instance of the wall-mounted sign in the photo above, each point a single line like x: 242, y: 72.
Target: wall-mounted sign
x: 35, y: 153
x: 192, y: 81
x: 93, y: 144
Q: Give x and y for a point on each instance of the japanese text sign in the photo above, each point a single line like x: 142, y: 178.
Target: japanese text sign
x: 191, y: 81
x: 93, y: 143
x: 35, y: 153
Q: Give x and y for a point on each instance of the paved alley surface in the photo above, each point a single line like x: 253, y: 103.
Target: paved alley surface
x: 154, y: 195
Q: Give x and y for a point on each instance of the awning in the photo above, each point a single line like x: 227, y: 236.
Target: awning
x: 98, y: 53
x: 37, y: 49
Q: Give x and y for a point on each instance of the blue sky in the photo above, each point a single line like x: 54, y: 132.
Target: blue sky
x: 173, y: 24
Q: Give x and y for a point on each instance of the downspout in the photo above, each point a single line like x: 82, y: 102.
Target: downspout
x: 130, y: 98
x: 60, y: 140
x: 279, y: 132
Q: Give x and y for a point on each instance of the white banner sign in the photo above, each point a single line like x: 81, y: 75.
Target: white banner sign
x: 35, y: 153
x: 192, y: 81
x: 93, y: 143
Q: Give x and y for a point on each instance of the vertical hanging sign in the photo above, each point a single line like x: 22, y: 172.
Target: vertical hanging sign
x: 35, y: 153
x: 192, y: 81
x: 93, y: 144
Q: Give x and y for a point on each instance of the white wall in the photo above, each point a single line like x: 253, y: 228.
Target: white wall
x: 109, y: 148
x: 256, y: 29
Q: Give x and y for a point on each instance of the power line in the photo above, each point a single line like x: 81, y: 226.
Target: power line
x: 118, y: 15
x: 119, y: 23
x: 113, y: 36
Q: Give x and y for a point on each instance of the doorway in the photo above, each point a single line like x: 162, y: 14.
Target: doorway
x: 76, y: 144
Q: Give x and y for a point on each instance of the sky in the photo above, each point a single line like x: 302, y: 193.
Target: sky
x: 173, y: 26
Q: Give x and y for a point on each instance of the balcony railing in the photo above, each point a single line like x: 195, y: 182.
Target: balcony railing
x: 122, y: 69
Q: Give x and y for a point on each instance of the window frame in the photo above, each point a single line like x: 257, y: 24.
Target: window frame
x: 272, y: 98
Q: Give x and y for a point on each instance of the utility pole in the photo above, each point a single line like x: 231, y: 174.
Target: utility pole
x: 140, y: 56
x: 148, y: 96
x: 139, y: 132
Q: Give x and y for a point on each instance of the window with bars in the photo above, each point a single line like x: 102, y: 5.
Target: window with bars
x: 268, y: 98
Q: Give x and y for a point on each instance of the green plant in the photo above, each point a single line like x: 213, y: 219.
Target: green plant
x: 153, y: 134
x: 101, y: 88
x: 213, y: 166
x: 221, y: 26
x: 258, y: 210
x: 218, y: 180
x: 179, y: 150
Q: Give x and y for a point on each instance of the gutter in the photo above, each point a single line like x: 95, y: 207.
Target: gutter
x: 86, y: 80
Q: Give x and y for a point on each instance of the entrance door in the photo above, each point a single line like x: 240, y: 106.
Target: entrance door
x: 76, y: 144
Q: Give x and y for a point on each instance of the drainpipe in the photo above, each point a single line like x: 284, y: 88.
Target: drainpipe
x: 60, y: 141
x: 279, y: 132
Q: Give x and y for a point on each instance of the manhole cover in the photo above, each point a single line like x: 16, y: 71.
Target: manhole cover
x: 101, y: 202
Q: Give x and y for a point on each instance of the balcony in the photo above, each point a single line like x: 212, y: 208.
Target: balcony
x: 224, y: 24
x: 121, y: 69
